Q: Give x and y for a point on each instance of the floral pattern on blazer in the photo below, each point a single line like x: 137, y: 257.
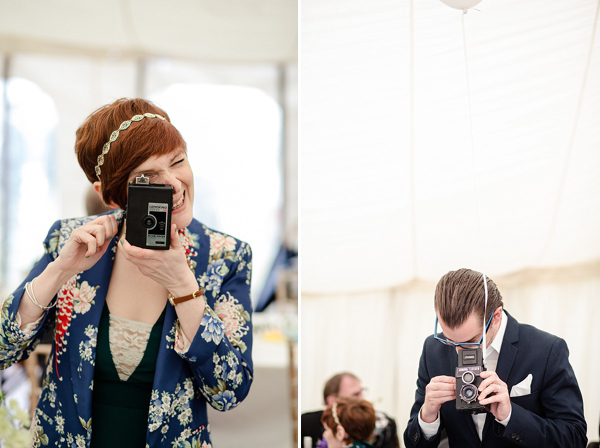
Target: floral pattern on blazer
x: 215, y: 369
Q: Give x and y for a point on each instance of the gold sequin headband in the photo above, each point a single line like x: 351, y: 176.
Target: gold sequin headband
x: 115, y: 135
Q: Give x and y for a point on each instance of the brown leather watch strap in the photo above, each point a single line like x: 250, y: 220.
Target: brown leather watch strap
x: 176, y: 300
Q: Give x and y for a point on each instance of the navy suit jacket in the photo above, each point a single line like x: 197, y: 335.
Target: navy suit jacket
x: 550, y: 416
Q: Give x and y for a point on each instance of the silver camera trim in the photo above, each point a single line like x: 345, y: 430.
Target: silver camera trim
x: 468, y: 386
x: 469, y: 373
x: 142, y: 179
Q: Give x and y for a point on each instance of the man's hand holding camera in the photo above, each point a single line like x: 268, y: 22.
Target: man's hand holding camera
x: 494, y: 392
x: 439, y: 390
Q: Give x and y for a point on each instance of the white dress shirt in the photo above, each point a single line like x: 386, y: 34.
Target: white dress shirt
x: 490, y: 361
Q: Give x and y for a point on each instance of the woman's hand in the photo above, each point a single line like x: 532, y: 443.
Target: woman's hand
x: 166, y: 267
x: 87, y: 244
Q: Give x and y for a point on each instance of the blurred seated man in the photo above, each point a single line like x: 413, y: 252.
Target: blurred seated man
x: 94, y: 204
x: 346, y: 384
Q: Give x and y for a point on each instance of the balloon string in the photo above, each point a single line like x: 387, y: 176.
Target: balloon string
x: 484, y: 342
x: 481, y: 253
x: 412, y: 162
x: 471, y: 138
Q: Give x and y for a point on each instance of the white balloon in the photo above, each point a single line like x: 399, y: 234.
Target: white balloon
x: 463, y: 5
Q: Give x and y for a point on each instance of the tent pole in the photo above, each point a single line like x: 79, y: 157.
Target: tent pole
x: 5, y: 178
x: 141, y: 67
x: 411, y: 140
x: 282, y: 87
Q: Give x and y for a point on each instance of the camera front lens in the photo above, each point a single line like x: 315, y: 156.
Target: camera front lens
x: 468, y: 377
x: 468, y: 393
x: 149, y: 221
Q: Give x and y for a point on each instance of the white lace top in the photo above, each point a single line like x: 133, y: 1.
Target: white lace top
x: 128, y: 340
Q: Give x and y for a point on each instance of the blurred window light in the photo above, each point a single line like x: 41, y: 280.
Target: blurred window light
x: 29, y: 205
x: 234, y: 136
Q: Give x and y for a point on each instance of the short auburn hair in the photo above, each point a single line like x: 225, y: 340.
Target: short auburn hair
x: 134, y: 145
x: 460, y: 293
x: 356, y: 416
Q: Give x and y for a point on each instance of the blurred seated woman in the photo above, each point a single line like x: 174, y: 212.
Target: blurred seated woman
x: 348, y: 422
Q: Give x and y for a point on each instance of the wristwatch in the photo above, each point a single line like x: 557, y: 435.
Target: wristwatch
x: 175, y: 300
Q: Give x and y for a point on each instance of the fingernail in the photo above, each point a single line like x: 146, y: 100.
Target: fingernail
x: 122, y: 241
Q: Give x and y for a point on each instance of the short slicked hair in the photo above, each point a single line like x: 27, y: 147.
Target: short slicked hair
x: 460, y: 293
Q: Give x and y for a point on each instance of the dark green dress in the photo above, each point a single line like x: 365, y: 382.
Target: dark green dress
x: 361, y: 444
x: 120, y: 408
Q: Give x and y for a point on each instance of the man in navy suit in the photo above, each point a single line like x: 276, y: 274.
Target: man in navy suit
x: 529, y: 386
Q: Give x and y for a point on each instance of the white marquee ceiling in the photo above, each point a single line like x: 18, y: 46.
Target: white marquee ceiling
x: 391, y: 187
x: 230, y: 31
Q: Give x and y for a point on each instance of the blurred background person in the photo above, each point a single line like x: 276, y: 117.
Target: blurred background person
x: 94, y: 204
x: 347, y: 384
x: 348, y: 422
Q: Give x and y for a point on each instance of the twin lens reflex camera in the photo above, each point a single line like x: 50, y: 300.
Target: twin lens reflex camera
x: 468, y: 379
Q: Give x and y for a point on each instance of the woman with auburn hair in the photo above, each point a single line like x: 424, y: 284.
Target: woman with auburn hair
x: 144, y: 338
x: 348, y: 422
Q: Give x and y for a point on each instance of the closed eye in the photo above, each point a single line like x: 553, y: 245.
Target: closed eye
x: 178, y: 162
x: 150, y: 174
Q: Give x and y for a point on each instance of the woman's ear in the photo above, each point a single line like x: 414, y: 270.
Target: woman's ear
x: 98, y: 189
x: 340, y: 433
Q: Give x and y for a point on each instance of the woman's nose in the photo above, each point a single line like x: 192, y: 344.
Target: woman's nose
x: 170, y: 179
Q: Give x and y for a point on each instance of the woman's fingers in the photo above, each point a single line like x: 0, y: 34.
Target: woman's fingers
x: 87, y: 244
x: 96, y: 234
x: 103, y: 229
x: 98, y: 231
x: 84, y: 238
x: 109, y: 222
x: 175, y: 243
x: 135, y: 253
x: 166, y: 267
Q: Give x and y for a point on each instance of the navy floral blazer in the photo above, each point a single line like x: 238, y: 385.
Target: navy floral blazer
x: 216, y: 368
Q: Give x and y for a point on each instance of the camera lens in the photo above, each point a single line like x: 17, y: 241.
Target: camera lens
x: 149, y: 221
x: 468, y: 393
x: 468, y: 377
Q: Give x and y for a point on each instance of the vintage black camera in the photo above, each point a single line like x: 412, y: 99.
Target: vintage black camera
x: 148, y: 214
x: 468, y: 379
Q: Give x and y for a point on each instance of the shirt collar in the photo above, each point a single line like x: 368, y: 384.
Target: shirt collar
x: 497, y: 342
